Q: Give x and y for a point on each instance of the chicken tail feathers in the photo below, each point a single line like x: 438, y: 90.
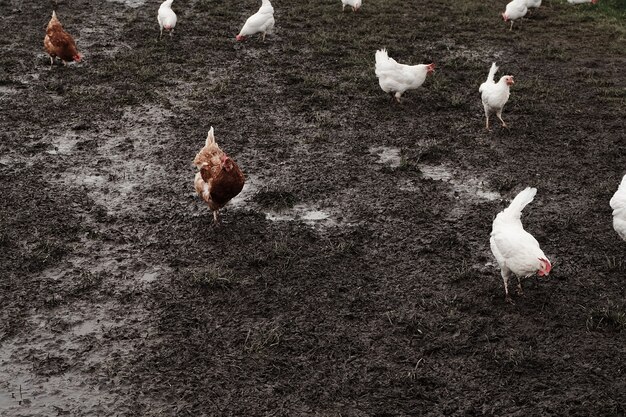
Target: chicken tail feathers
x: 492, y: 72
x: 520, y: 201
x: 381, y: 56
x: 210, y: 138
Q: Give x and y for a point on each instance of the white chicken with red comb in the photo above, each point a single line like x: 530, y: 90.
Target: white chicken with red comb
x: 495, y: 95
x: 261, y: 22
x: 166, y: 18
x: 395, y: 78
x: 516, y: 250
x: 618, y: 204
x: 515, y: 10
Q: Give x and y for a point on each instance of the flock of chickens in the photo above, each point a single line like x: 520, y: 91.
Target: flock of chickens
x: 220, y: 179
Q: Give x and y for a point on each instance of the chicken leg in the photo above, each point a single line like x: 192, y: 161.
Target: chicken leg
x: 520, y: 291
x: 486, y: 117
x: 506, y: 273
x: 499, y: 114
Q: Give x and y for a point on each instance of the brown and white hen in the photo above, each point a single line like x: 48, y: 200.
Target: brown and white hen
x: 219, y: 179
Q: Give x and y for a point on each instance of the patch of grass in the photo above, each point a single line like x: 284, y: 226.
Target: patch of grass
x: 85, y: 282
x: 514, y: 357
x: 45, y: 254
x: 433, y: 152
x: 265, y: 336
x: 607, y: 317
x: 615, y: 264
x: 502, y: 184
x: 275, y: 199
x: 462, y: 272
x: 550, y: 52
x: 211, y: 277
x: 613, y: 8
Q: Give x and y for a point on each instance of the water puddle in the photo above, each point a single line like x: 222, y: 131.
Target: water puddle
x: 153, y: 274
x: 86, y: 327
x: 250, y: 188
x: 63, y: 145
x: 387, y: 155
x: 6, y: 90
x: 302, y: 212
x: 462, y: 184
x: 131, y: 3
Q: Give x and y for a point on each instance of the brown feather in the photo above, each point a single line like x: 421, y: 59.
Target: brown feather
x: 58, y: 42
x: 223, y: 185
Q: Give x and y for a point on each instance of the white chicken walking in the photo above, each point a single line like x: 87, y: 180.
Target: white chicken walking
x: 166, y: 17
x: 495, y: 95
x: 355, y: 4
x: 516, y: 250
x: 260, y: 22
x: 533, y: 4
x: 515, y: 10
x: 398, y: 78
x: 618, y: 204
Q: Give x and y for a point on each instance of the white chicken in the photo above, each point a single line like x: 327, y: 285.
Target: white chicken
x: 260, y: 22
x: 166, y: 17
x: 398, y: 78
x: 495, y: 95
x: 515, y: 10
x: 618, y: 204
x: 534, y: 4
x: 355, y: 4
x: 582, y: 1
x: 516, y: 250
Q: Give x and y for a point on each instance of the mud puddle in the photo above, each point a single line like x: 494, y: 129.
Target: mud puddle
x: 306, y: 213
x: 387, y: 155
x: 463, y: 185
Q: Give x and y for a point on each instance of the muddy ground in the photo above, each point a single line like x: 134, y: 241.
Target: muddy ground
x: 353, y: 275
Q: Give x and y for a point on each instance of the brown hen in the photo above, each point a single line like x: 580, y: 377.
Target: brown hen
x: 59, y: 43
x: 219, y: 179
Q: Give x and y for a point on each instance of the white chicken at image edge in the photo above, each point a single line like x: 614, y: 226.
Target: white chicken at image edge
x: 516, y: 250
x: 495, y: 95
x: 535, y: 4
x: 515, y: 10
x: 618, y: 204
x: 398, y: 78
x: 355, y: 4
x: 166, y: 17
x: 260, y: 22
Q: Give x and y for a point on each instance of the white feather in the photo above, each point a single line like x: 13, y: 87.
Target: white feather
x: 618, y: 204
